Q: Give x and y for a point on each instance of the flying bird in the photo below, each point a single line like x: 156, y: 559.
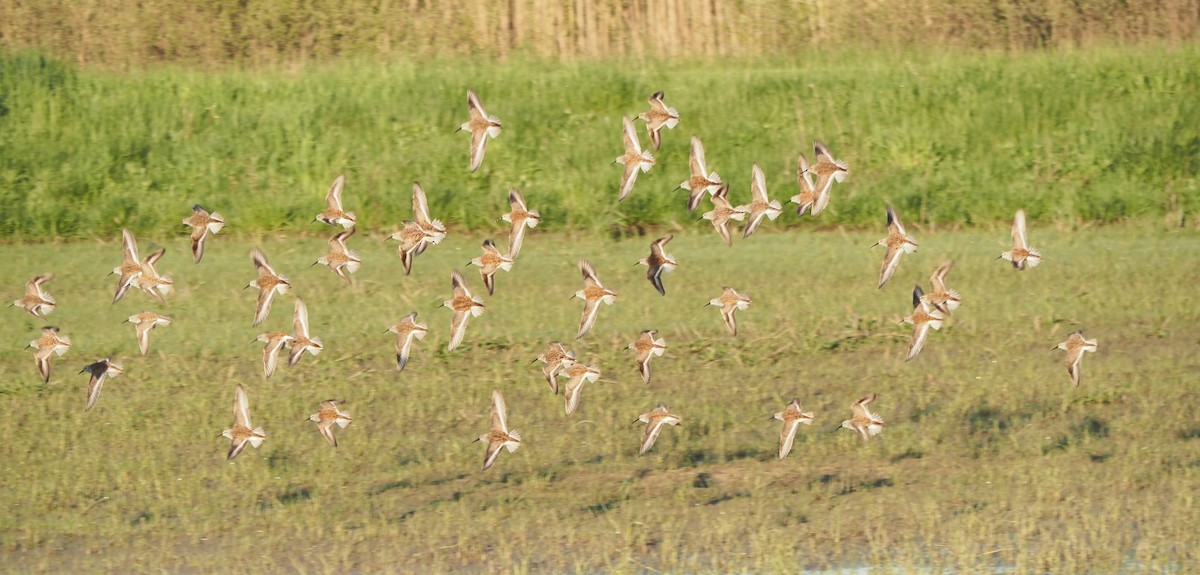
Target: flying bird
x: 807, y: 199
x: 701, y: 180
x: 633, y: 159
x: 333, y: 214
x: 46, y: 346
x: 434, y: 229
x: 413, y: 239
x: 577, y: 374
x: 722, y: 212
x: 648, y: 346
x: 36, y: 301
x: 275, y: 341
x: 301, y: 340
x: 268, y: 283
x: 243, y: 432
x: 329, y: 416
x: 490, y: 262
x: 499, y: 437
x: 760, y: 205
x: 862, y: 420
x: 828, y: 171
x: 897, y: 243
x: 131, y: 266
x: 203, y: 224
x: 923, y: 318
x: 99, y: 370
x: 658, y: 263
x: 341, y: 260
x: 659, y: 116
x: 592, y: 294
x: 1021, y: 255
x: 940, y: 297
x: 791, y: 416
x: 151, y: 282
x: 730, y: 301
x: 464, y: 305
x: 1075, y: 345
x: 481, y: 126
x: 557, y: 359
x: 521, y: 217
x: 405, y: 331
x: 144, y: 322
x: 655, y: 420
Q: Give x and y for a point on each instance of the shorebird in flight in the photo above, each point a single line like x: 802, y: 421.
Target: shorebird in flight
x: 939, y: 296
x: 275, y: 341
x: 722, y: 212
x: 1075, y: 345
x: 499, y: 437
x: 434, y: 229
x: 521, y: 217
x: 99, y: 370
x: 655, y: 420
x: 557, y: 359
x: 131, y: 266
x: 791, y: 416
x: 36, y: 301
x: 923, y: 318
x: 633, y: 159
x: 49, y: 344
x: 464, y: 305
x: 701, y: 180
x: 341, y: 260
x: 489, y: 263
x: 268, y: 283
x: 203, y: 224
x: 243, y: 432
x: 658, y: 263
x: 648, y: 346
x: 897, y: 243
x: 577, y: 374
x: 1021, y: 255
x: 301, y: 340
x: 862, y: 420
x: 481, y: 126
x: 333, y: 214
x: 405, y: 331
x: 329, y: 416
x: 730, y: 301
x: 592, y: 294
x: 151, y: 282
x: 760, y: 205
x: 144, y: 322
x: 659, y: 116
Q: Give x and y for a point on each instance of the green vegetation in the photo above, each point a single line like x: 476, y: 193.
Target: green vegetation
x: 990, y: 458
x: 1095, y: 135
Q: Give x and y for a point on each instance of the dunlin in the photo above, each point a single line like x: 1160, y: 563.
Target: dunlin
x: 275, y: 341
x: 405, y: 331
x: 301, y: 340
x: 329, y: 416
x: 828, y: 171
x: 131, y: 266
x: 701, y: 180
x: 464, y: 305
x: 655, y: 420
x: 658, y: 117
x: 521, y: 218
x: 333, y: 214
x: 809, y: 199
x: 730, y: 301
x: 268, y: 283
x: 481, y: 126
x: 489, y: 263
x: 722, y: 212
x: 1021, y: 255
x: 1075, y: 345
x: 203, y: 224
x: 791, y: 416
x: 499, y: 437
x: 144, y: 322
x: 862, y: 420
x: 658, y: 263
x: 413, y: 239
x: 897, y: 243
x: 49, y: 344
x: 37, y: 301
x: 577, y: 374
x: 341, y: 260
x: 760, y: 205
x: 243, y: 431
x: 100, y: 370
x: 557, y: 359
x: 592, y: 294
x: 434, y: 229
x: 151, y: 282
x: 923, y: 318
x: 648, y: 346
x: 939, y: 296
x: 633, y: 159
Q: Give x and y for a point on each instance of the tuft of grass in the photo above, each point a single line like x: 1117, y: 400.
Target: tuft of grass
x: 953, y: 140
x: 990, y: 458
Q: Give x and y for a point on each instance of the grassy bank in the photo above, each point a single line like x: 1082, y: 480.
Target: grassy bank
x: 990, y: 457
x: 1099, y: 135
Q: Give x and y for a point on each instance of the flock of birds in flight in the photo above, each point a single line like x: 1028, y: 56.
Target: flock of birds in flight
x: 815, y: 181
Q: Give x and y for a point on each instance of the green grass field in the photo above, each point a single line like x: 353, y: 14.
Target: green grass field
x: 953, y: 139
x: 990, y: 458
